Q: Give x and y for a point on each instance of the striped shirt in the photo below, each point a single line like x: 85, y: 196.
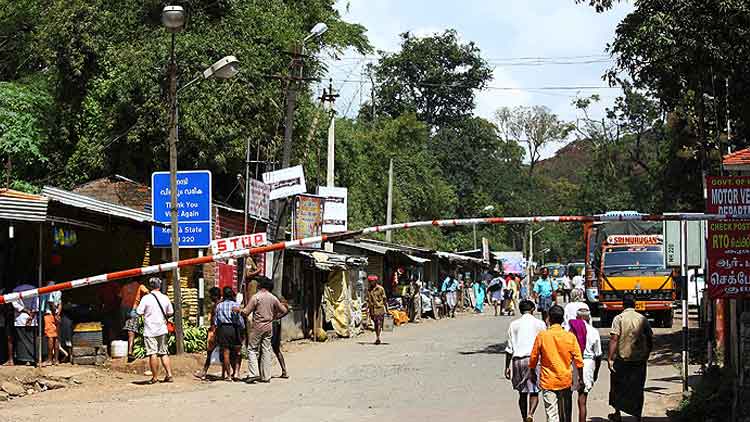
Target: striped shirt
x: 224, y: 314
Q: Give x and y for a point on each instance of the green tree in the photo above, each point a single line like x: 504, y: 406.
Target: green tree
x: 105, y: 67
x: 435, y: 77
x: 534, y: 127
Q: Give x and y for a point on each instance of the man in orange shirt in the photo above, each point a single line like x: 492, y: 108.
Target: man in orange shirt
x: 130, y: 298
x: 556, y: 350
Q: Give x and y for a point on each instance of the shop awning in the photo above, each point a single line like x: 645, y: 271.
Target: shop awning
x: 327, y: 261
x: 458, y: 258
x: 20, y: 206
x: 378, y: 249
x: 417, y: 259
x: 90, y: 204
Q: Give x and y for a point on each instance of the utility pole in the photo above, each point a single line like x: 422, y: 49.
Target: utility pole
x: 247, y: 185
x: 389, y: 209
x: 683, y: 299
x: 173, y: 211
x: 330, y: 98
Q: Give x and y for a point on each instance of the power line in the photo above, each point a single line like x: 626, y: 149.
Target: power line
x: 498, y: 88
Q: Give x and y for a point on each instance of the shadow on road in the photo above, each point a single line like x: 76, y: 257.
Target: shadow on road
x: 492, y: 349
x: 630, y: 418
x: 369, y: 343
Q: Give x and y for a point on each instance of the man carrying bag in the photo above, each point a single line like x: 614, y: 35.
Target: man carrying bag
x: 156, y: 310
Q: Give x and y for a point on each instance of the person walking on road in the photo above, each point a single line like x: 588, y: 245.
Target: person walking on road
x: 521, y: 336
x: 630, y: 344
x: 265, y: 308
x: 52, y: 308
x: 155, y: 309
x: 572, y: 308
x: 377, y: 305
x: 544, y: 292
x: 450, y: 290
x: 591, y: 349
x: 555, y: 351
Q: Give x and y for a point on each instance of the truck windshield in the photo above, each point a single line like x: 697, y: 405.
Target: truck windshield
x: 633, y: 259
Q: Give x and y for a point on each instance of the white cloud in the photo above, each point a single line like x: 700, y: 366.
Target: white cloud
x: 489, y: 100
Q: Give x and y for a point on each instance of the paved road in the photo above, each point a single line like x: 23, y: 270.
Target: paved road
x: 447, y: 370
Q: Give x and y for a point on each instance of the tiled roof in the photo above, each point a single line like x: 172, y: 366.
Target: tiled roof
x: 737, y: 158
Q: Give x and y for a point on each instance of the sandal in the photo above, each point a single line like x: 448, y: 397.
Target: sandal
x: 613, y: 417
x: 284, y: 376
x: 168, y: 379
x: 152, y: 381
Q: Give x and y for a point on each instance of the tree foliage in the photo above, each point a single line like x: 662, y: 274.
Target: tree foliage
x: 435, y: 77
x: 104, y: 64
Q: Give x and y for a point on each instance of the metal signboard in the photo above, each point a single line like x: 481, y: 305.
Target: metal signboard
x: 285, y: 182
x: 307, y: 217
x: 335, y: 214
x: 696, y: 243
x: 728, y: 245
x: 259, y: 204
x: 193, y: 206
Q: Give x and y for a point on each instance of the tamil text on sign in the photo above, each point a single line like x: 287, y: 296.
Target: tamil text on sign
x: 728, y: 246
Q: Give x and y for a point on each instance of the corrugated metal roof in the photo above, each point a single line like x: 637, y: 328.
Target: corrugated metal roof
x: 379, y: 249
x: 91, y: 204
x: 417, y: 259
x: 20, y: 206
x: 327, y: 261
x: 456, y: 257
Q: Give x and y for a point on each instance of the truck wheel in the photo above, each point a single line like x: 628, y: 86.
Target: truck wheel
x: 667, y: 319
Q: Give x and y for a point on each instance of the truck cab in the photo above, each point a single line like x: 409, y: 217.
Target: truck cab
x: 635, y: 264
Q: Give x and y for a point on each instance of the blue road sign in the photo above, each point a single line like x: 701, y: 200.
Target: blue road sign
x: 193, y: 206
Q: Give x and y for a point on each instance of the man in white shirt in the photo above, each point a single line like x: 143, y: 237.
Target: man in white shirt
x: 578, y: 282
x: 566, y: 286
x: 156, y: 308
x: 571, y: 309
x: 592, y: 360
x: 521, y: 335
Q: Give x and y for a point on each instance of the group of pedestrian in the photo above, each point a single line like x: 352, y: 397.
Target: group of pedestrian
x: 562, y: 354
x: 254, y: 322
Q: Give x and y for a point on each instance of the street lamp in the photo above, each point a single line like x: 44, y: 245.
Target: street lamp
x: 531, y: 249
x: 319, y: 29
x: 486, y: 209
x: 173, y: 19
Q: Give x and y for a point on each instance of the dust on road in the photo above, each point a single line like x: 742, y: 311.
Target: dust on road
x: 448, y: 370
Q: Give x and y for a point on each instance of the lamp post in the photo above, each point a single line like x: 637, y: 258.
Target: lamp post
x: 173, y: 19
x: 532, y: 233
x: 486, y: 209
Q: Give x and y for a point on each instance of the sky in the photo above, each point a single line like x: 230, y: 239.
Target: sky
x: 530, y: 44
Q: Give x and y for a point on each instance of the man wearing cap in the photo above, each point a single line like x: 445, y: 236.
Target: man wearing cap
x: 156, y: 308
x: 377, y: 304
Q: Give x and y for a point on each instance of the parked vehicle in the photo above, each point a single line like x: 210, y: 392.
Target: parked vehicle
x: 628, y: 257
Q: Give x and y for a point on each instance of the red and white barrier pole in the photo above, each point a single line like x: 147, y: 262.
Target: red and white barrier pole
x: 169, y: 266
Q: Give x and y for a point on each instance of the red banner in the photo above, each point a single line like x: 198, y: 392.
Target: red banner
x: 728, y: 245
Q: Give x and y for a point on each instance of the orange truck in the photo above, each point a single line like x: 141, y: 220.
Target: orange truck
x: 628, y: 257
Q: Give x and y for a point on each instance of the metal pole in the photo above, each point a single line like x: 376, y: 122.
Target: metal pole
x: 201, y: 294
x: 40, y: 312
x: 531, y: 251
x: 331, y: 138
x: 474, y: 230
x: 247, y: 182
x: 389, y: 206
x: 684, y: 294
x: 174, y: 227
